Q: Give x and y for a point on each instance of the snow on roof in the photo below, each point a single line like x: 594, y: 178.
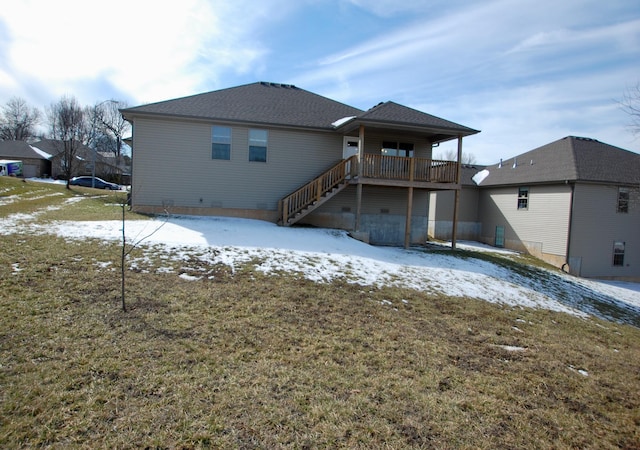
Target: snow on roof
x: 41, y: 152
x: 480, y: 176
x: 342, y: 121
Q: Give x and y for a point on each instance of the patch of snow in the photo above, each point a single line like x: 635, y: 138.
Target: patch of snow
x: 325, y: 255
x: 41, y: 152
x: 342, y: 121
x: 582, y: 372
x: 47, y: 180
x: 480, y: 176
x: 187, y: 277
x: 512, y: 348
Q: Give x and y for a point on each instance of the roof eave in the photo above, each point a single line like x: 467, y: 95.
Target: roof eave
x: 130, y: 115
x: 440, y: 134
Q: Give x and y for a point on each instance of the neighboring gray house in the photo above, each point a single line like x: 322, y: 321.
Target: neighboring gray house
x: 279, y: 153
x: 35, y: 163
x: 106, y: 165
x: 574, y: 203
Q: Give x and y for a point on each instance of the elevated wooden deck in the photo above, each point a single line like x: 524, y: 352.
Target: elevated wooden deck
x: 380, y: 170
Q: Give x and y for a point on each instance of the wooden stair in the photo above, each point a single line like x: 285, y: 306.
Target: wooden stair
x: 312, y: 195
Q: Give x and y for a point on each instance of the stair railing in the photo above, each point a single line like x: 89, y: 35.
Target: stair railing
x: 313, y: 191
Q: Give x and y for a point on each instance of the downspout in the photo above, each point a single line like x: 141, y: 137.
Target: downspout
x: 566, y: 267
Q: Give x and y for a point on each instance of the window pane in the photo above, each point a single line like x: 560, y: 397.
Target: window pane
x: 523, y: 198
x: 221, y: 135
x: 406, y: 146
x: 618, y: 253
x: 258, y: 137
x: 220, y: 142
x: 623, y: 200
x: 257, y: 153
x: 220, y: 151
x: 258, y: 145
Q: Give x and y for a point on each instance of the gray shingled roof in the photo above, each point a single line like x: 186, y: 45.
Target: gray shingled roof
x: 19, y: 150
x: 568, y: 159
x: 262, y: 103
x: 287, y: 105
x: 393, y: 113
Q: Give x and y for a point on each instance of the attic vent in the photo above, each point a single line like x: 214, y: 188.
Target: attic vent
x: 277, y: 85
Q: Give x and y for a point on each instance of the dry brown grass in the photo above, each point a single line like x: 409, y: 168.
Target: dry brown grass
x: 242, y: 360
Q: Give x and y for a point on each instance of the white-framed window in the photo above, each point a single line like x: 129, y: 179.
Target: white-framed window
x: 623, y: 200
x: 618, y: 253
x: 220, y: 142
x: 523, y: 198
x: 258, y: 143
x: 394, y: 148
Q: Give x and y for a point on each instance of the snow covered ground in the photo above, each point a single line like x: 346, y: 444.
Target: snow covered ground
x: 191, y: 244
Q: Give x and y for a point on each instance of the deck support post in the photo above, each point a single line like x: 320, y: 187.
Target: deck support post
x: 407, y: 230
x: 407, y: 227
x: 359, y: 185
x: 454, y: 231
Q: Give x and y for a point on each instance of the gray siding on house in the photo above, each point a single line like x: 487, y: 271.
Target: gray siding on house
x: 373, y: 143
x: 384, y: 212
x: 541, y: 229
x: 173, y: 165
x: 441, y: 206
x: 596, y: 225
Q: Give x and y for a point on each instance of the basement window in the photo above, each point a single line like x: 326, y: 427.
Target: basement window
x: 618, y: 253
x: 623, y: 200
x: 220, y: 143
x: 393, y: 148
x: 523, y: 198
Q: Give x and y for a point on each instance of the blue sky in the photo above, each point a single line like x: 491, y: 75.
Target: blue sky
x: 523, y: 72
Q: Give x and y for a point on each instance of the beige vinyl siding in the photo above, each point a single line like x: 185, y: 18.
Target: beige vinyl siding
x: 542, y: 228
x: 441, y: 206
x: 173, y: 165
x: 597, y: 224
x: 378, y: 200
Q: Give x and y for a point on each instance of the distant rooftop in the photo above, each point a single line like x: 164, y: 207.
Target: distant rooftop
x: 571, y: 158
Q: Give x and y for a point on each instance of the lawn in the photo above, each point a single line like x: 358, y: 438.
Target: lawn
x: 243, y: 359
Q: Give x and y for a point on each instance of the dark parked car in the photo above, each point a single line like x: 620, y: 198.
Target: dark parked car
x: 99, y: 183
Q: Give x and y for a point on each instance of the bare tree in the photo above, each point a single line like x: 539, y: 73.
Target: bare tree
x: 452, y: 155
x: 69, y: 127
x: 18, y: 120
x: 112, y: 123
x: 631, y: 105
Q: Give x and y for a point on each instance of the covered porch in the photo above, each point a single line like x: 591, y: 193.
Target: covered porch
x: 390, y: 145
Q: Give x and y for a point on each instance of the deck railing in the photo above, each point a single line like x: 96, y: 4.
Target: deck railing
x: 314, y: 190
x: 382, y: 167
x: 408, y: 169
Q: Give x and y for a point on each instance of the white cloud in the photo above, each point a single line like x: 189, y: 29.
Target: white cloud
x: 523, y: 76
x: 146, y: 50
